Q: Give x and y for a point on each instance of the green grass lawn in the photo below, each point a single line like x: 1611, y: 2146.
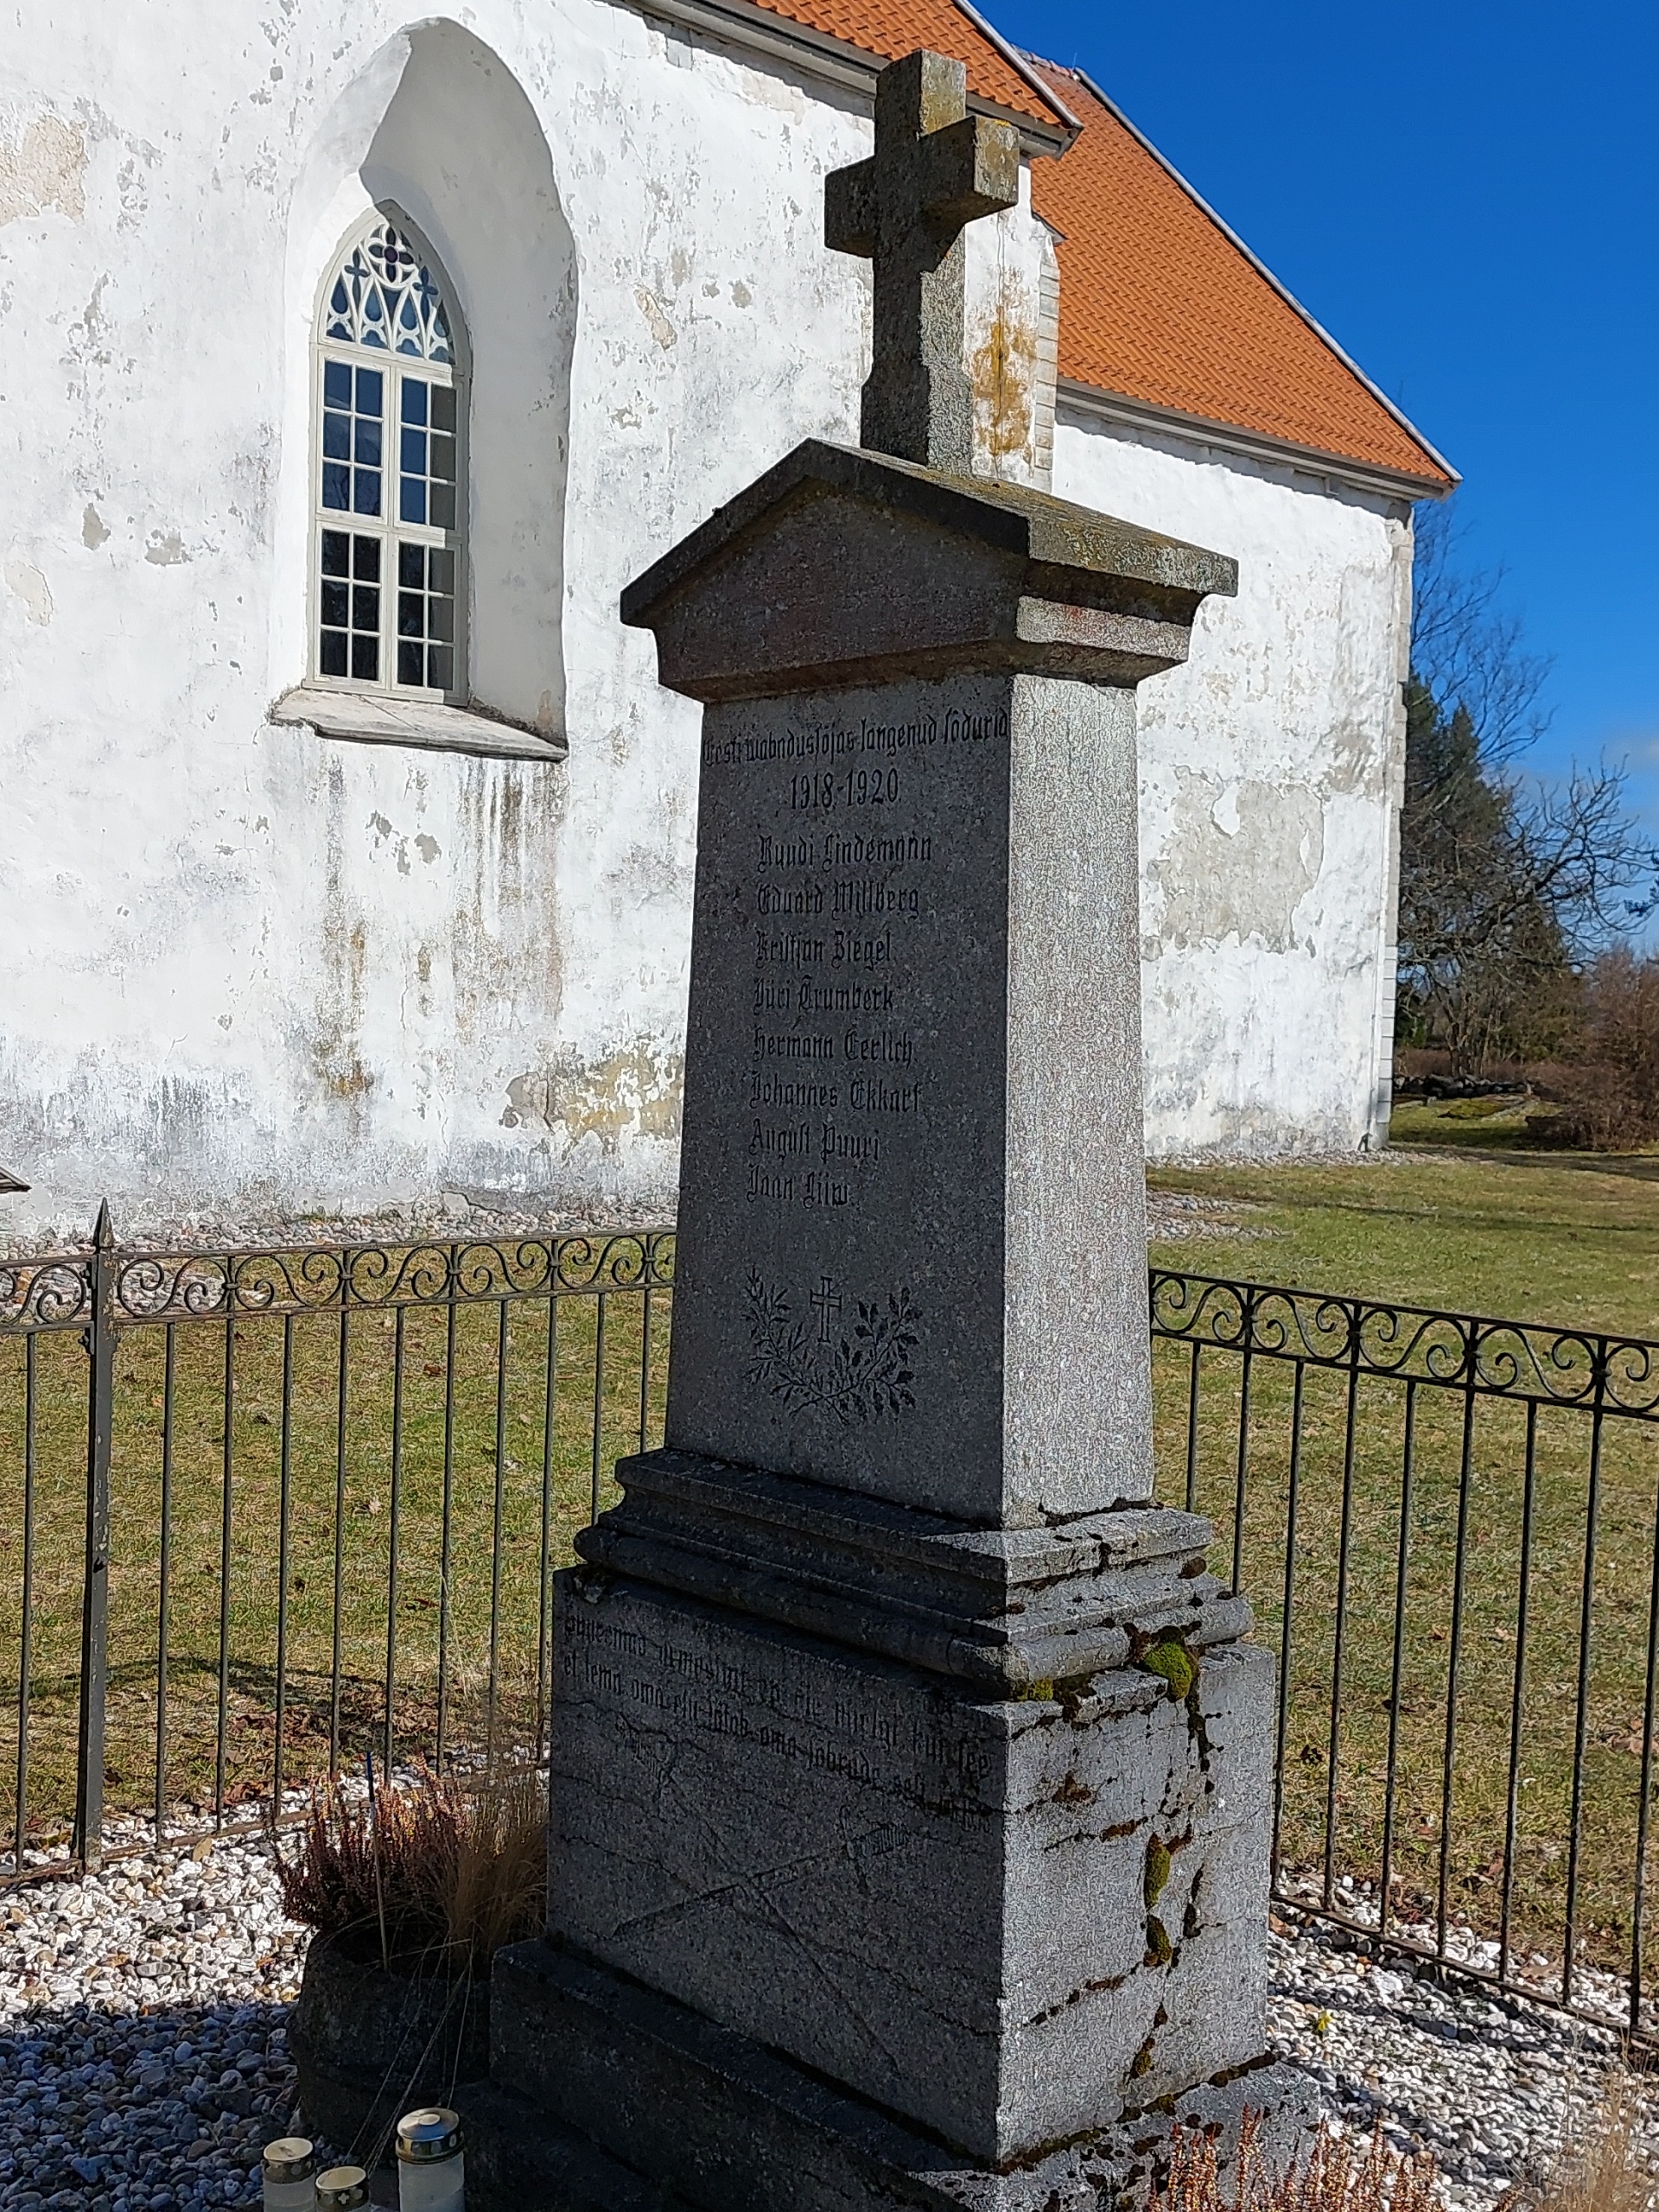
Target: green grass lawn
x: 1472, y: 1220
x: 1455, y: 1221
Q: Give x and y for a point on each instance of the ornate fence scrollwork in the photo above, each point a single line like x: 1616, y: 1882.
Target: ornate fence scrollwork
x: 304, y: 1279
x: 1502, y: 1359
x: 55, y: 1292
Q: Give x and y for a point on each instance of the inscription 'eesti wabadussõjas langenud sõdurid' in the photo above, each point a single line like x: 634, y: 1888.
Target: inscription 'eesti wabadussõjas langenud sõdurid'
x: 909, y: 1774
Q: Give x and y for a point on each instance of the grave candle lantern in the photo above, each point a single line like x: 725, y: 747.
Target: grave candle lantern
x: 431, y: 2175
x: 289, y: 2169
x: 343, y: 2188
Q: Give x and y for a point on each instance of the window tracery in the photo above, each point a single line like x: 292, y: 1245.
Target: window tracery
x: 389, y: 474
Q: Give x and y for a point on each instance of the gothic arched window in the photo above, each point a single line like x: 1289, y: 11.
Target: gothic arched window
x: 389, y: 474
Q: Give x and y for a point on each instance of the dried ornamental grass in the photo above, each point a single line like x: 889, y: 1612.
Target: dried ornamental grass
x: 1336, y: 2175
x: 450, y: 1867
x: 1608, y: 2171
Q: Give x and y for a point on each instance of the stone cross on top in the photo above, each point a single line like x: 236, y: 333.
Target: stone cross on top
x: 935, y: 169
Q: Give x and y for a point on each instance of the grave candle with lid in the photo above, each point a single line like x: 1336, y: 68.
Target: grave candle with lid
x: 288, y: 2171
x: 431, y: 2171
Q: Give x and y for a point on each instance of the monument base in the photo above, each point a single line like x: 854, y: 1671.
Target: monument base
x: 609, y: 2097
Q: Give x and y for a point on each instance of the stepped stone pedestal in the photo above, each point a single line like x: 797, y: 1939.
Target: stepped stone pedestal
x: 910, y: 1775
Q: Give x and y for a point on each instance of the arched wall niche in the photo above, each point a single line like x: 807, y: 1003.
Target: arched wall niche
x: 435, y: 128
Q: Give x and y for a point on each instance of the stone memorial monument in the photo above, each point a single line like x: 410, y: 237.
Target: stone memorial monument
x: 910, y: 1774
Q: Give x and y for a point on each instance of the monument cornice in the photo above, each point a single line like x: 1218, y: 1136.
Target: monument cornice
x: 1040, y: 586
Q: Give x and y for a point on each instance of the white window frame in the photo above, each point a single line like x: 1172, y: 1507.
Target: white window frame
x: 386, y: 527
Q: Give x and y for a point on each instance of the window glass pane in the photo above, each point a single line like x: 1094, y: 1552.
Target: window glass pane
x: 443, y: 459
x: 426, y: 614
x: 337, y: 380
x: 413, y: 451
x: 444, y: 407
x: 369, y: 384
x: 412, y: 500
x: 368, y: 443
x: 414, y: 400
x: 337, y: 437
x: 348, y: 642
x: 366, y: 492
x: 335, y: 484
x: 443, y: 516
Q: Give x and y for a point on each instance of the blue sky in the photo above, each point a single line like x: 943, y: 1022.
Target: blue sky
x: 1467, y: 196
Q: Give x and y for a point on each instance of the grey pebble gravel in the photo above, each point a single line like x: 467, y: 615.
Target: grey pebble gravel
x: 143, y: 2058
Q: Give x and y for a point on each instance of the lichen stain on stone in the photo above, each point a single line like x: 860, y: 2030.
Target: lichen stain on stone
x: 634, y: 1092
x: 1002, y: 371
x: 1238, y: 859
x: 45, y: 167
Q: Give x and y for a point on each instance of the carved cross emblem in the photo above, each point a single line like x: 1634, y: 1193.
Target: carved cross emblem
x: 935, y: 169
x: 826, y: 1301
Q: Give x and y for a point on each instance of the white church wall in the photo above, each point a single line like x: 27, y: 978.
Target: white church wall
x: 253, y: 972
x: 1270, y: 784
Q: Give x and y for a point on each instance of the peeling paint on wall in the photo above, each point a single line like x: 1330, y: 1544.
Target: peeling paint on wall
x: 1239, y: 859
x: 634, y: 1092
x: 43, y: 167
x: 25, y: 580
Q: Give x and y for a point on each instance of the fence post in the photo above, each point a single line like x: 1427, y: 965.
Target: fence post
x: 88, y: 1845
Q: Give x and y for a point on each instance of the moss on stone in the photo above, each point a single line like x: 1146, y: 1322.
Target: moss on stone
x: 1168, y: 1656
x: 1157, y: 1866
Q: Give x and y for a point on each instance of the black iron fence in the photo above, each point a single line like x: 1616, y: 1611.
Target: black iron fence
x: 261, y: 1512
x: 266, y: 1510
x: 1449, y: 1528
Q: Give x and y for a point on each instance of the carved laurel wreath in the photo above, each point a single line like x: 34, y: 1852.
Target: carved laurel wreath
x: 866, y: 1376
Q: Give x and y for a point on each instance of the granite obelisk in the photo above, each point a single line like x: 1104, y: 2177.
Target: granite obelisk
x: 909, y: 1771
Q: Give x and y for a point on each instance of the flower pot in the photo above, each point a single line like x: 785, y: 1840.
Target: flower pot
x: 371, y: 2042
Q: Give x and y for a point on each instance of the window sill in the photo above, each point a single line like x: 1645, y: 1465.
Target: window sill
x: 373, y: 718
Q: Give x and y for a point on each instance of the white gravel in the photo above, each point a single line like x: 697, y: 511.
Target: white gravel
x: 143, y: 2060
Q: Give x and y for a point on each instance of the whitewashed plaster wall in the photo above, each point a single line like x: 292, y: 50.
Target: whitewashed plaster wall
x: 249, y: 972
x: 1270, y: 783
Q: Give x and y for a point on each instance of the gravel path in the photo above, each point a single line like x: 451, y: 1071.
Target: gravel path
x: 144, y: 2061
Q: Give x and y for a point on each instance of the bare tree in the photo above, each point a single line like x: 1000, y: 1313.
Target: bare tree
x: 1466, y: 651
x: 1508, y: 883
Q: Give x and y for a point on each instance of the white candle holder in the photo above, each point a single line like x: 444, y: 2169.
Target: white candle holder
x: 343, y: 2188
x: 289, y: 2172
x: 431, y: 2176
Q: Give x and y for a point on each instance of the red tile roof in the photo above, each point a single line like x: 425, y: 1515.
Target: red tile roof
x: 1158, y: 303
x: 895, y: 27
